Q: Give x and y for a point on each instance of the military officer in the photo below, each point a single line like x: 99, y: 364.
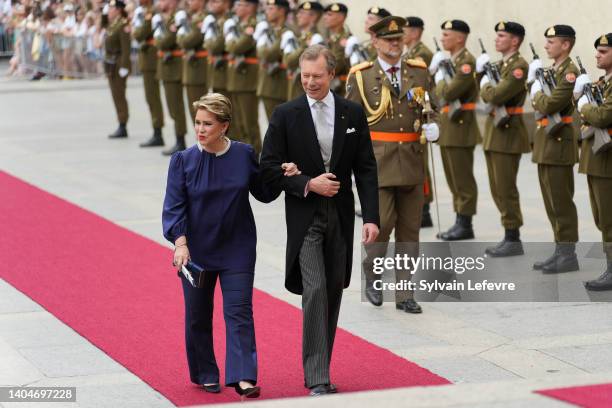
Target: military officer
x: 214, y: 42
x: 307, y: 17
x: 170, y: 69
x: 555, y: 150
x: 459, y: 131
x: 392, y: 92
x: 337, y: 34
x: 242, y: 72
x: 373, y: 16
x: 117, y: 62
x: 506, y: 140
x: 142, y: 32
x: 272, y: 82
x: 189, y: 37
x: 597, y: 166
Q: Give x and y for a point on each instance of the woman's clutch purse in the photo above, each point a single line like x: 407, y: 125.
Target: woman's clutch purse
x: 194, y: 273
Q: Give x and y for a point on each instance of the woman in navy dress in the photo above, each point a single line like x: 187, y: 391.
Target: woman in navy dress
x: 208, y: 217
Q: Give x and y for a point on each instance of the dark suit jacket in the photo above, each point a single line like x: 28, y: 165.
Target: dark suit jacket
x: 291, y: 137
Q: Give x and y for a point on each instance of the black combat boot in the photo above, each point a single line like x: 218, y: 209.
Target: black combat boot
x: 120, y: 133
x: 604, y: 282
x: 180, y: 145
x: 426, y: 221
x: 538, y: 265
x: 155, y: 140
x: 461, y: 230
x: 511, y: 245
x: 566, y: 261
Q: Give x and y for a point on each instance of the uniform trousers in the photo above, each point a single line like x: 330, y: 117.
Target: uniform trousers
x: 270, y: 104
x: 458, y: 163
x: 117, y: 87
x: 600, y: 193
x: 245, y: 126
x: 194, y: 93
x: 153, y: 98
x: 502, y: 169
x: 176, y: 106
x: 557, y: 185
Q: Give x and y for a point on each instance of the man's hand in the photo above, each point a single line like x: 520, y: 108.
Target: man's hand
x: 535, y: 88
x: 123, y: 72
x: 291, y: 169
x: 437, y: 58
x: 431, y: 132
x: 439, y: 76
x: 369, y: 233
x: 581, y: 102
x: 325, y: 185
x: 581, y: 81
x: 485, y: 80
x: 481, y: 61
x: 533, y: 67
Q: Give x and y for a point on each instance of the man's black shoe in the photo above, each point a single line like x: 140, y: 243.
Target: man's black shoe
x: 374, y: 296
x: 409, y: 306
x: 321, y: 389
x: 332, y: 389
x: 155, y: 140
x: 461, y: 230
x: 562, y: 263
x: 120, y: 133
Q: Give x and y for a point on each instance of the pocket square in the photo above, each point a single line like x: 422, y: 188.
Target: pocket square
x: 350, y: 130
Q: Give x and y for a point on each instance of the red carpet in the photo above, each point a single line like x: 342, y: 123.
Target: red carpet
x: 117, y: 289
x: 588, y: 396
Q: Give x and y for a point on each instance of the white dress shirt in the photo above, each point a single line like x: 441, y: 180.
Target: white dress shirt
x: 385, y: 66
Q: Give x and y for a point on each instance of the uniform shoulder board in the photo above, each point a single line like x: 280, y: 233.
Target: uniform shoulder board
x: 418, y: 63
x: 361, y: 66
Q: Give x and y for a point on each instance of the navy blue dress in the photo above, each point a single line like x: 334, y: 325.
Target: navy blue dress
x: 207, y: 200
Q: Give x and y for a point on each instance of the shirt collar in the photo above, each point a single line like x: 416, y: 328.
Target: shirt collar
x: 222, y: 152
x: 385, y: 65
x: 456, y: 55
x: 328, y: 100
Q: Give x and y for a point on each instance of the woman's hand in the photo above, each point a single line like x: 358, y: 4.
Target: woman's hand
x: 291, y: 169
x: 181, y: 253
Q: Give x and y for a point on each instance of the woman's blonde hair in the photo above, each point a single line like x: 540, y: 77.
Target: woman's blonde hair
x: 217, y: 104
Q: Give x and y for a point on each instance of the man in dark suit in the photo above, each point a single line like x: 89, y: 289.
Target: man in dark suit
x: 328, y: 138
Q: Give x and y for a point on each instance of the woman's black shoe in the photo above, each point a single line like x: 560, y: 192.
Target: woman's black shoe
x: 214, y: 388
x: 250, y: 392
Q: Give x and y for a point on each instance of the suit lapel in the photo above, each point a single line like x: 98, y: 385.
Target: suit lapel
x: 310, y: 134
x: 340, y: 123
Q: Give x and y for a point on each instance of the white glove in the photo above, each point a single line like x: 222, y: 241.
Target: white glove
x: 481, y: 61
x: 123, y: 72
x: 285, y: 38
x: 485, y: 80
x: 157, y: 21
x: 579, y: 85
x: 180, y: 18
x: 535, y: 88
x: 351, y: 42
x: 105, y: 9
x: 581, y: 102
x: 208, y: 21
x: 437, y: 58
x: 138, y: 17
x: 181, y: 31
x: 316, y: 39
x: 262, y: 41
x: 355, y: 59
x: 260, y: 28
x: 439, y: 76
x: 228, y: 25
x: 533, y: 67
x: 431, y: 132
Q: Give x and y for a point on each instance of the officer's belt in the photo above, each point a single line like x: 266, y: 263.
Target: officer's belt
x: 468, y: 106
x: 173, y: 53
x: 200, y: 54
x: 564, y: 119
x: 248, y: 60
x: 343, y: 78
x: 394, y: 136
x: 281, y: 65
x: 512, y: 110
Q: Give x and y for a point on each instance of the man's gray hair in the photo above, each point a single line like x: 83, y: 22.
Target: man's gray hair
x: 313, y: 52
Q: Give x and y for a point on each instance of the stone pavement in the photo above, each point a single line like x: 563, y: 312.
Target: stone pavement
x: 53, y: 135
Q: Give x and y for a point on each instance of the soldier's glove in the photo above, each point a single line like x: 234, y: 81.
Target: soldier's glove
x: 439, y: 76
x: 207, y: 23
x: 481, y: 61
x: 180, y: 18
x: 286, y: 43
x: 260, y: 29
x: 485, y: 80
x: 105, y: 9
x: 228, y: 25
x: 431, y: 132
x: 579, y: 85
x: 156, y: 21
x: 316, y: 39
x: 138, y: 18
x: 533, y: 67
x: 535, y: 88
x: 123, y: 72
x: 351, y: 44
x: 438, y: 57
x: 581, y: 102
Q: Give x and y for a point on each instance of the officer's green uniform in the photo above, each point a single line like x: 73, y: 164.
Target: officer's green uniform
x: 370, y: 50
x: 336, y: 43
x: 242, y: 85
x: 459, y: 135
x: 194, y: 62
x: 394, y: 123
x: 116, y: 56
x: 170, y: 72
x: 218, y: 58
x: 557, y: 153
x: 147, y: 63
x: 272, y: 82
x: 292, y: 61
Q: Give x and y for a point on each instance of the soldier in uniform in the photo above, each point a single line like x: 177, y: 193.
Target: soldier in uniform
x: 242, y: 72
x: 117, y: 62
x: 337, y: 34
x: 391, y: 90
x: 142, y: 32
x: 504, y: 144
x: 459, y: 131
x: 170, y: 69
x: 373, y: 16
x: 415, y: 49
x: 272, y: 83
x: 556, y: 151
x: 189, y: 37
x: 598, y: 166
x: 307, y: 17
x: 214, y: 42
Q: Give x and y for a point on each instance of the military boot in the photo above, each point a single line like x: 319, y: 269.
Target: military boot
x: 604, y: 282
x: 461, y: 230
x: 566, y: 261
x: 511, y: 245
x: 538, y: 265
x: 179, y: 145
x: 451, y: 229
x: 155, y: 140
x: 426, y: 221
x: 120, y: 133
